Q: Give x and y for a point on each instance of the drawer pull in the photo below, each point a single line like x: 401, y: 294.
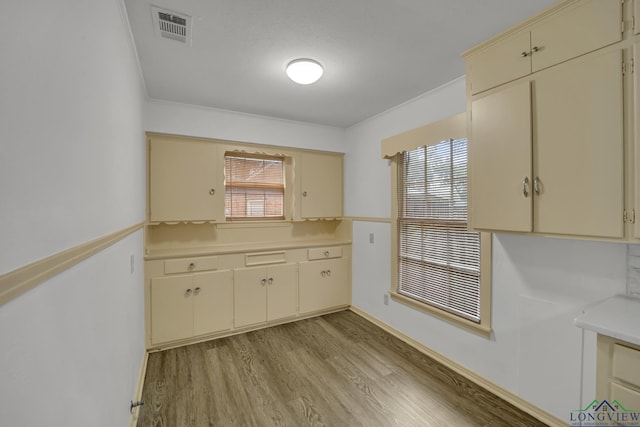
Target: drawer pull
x: 326, y: 253
x: 192, y: 266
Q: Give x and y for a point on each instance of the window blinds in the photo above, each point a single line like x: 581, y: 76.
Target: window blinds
x: 438, y: 259
x: 254, y: 186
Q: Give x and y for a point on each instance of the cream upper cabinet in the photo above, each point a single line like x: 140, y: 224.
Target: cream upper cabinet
x: 265, y: 293
x: 546, y: 153
x: 500, y: 186
x: 579, y: 28
x: 184, y: 184
x: 187, y: 305
x: 578, y: 147
x: 636, y: 109
x: 320, y: 185
x: 636, y: 17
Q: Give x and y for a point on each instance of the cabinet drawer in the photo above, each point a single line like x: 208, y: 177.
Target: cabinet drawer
x: 628, y: 398
x: 186, y: 265
x: 324, y: 253
x: 626, y: 364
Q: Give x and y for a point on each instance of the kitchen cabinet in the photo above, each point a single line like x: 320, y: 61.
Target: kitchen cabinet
x: 636, y: 109
x: 636, y: 17
x: 187, y: 305
x: 263, y: 294
x: 546, y: 152
x: 320, y: 185
x: 618, y: 372
x: 568, y: 33
x: 324, y: 284
x: 184, y: 180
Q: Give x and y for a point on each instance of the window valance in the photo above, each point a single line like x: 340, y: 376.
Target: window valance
x: 454, y: 127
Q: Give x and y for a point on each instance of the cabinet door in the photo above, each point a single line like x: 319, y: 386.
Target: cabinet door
x: 250, y: 296
x: 578, y: 147
x: 502, y: 62
x: 282, y: 291
x: 182, y: 180
x: 576, y: 31
x: 323, y: 284
x: 171, y: 308
x: 321, y: 185
x: 500, y: 191
x: 212, y: 302
x: 636, y: 18
x: 636, y: 106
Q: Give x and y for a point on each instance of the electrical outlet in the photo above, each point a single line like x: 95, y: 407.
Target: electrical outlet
x: 385, y: 298
x: 371, y: 237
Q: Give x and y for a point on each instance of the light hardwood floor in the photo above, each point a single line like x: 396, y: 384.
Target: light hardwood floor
x: 334, y: 370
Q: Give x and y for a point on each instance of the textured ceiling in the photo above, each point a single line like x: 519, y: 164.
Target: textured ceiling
x: 376, y: 53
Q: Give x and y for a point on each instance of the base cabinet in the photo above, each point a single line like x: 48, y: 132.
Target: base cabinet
x: 187, y: 305
x: 618, y: 373
x: 263, y: 294
x: 324, y: 284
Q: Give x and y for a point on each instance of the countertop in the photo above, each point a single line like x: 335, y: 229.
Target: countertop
x: 617, y: 317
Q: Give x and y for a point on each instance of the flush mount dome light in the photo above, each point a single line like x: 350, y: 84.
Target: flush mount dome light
x: 304, y: 71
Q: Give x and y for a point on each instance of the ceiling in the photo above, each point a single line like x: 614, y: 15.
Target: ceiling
x: 376, y: 53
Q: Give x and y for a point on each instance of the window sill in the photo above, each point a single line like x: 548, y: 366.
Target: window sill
x: 478, y: 329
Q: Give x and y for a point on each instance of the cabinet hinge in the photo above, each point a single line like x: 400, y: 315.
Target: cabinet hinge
x: 628, y: 67
x: 629, y: 216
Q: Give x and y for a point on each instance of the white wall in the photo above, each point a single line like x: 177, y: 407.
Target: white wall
x: 539, y: 284
x: 180, y: 119
x: 71, y: 170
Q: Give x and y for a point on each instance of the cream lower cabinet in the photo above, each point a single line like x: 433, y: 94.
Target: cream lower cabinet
x: 263, y: 294
x: 546, y: 152
x: 324, y: 284
x: 187, y: 305
x: 618, y: 373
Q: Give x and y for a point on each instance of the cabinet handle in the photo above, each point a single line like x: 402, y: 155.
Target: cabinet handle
x: 196, y: 291
x: 304, y: 194
x: 525, y: 186
x: 188, y: 292
x: 536, y: 185
x: 270, y: 281
x: 212, y: 191
x: 535, y: 49
x: 263, y: 282
x: 524, y: 54
x: 192, y: 266
x: 328, y: 273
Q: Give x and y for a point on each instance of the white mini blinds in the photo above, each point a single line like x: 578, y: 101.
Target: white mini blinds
x: 438, y: 259
x: 254, y: 186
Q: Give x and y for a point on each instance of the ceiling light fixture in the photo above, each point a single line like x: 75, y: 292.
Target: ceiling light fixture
x: 304, y: 71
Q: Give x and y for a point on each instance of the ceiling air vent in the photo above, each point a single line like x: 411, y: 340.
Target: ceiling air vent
x: 172, y: 25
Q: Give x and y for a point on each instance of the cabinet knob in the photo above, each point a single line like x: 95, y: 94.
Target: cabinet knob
x: 212, y: 191
x: 304, y: 194
x: 328, y: 273
x: 188, y: 292
x: 270, y: 280
x: 323, y: 273
x: 196, y: 291
x: 524, y: 54
x: 192, y: 265
x: 263, y: 282
x: 326, y: 253
x: 535, y: 49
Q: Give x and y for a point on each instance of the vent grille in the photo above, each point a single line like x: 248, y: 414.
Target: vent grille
x: 172, y: 25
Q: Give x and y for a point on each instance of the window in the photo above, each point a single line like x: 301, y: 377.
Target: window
x: 254, y: 186
x: 438, y: 259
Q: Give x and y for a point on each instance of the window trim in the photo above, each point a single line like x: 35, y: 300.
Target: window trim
x: 483, y: 328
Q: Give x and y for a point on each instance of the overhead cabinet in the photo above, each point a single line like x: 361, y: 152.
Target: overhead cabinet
x: 580, y: 28
x: 184, y: 184
x: 546, y: 150
x: 321, y: 185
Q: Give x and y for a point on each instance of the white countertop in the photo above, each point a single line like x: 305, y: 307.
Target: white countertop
x: 617, y: 317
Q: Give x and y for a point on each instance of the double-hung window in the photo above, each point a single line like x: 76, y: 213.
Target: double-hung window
x: 440, y: 266
x: 254, y: 186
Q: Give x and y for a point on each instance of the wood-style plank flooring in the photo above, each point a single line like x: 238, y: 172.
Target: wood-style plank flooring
x: 334, y: 370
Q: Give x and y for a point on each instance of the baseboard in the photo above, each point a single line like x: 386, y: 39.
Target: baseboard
x: 138, y: 396
x: 490, y: 386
